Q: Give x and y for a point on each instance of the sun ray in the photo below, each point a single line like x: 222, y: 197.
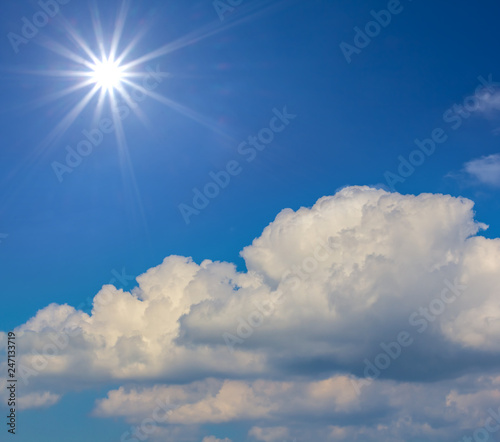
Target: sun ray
x: 133, y: 105
x: 79, y: 40
x: 124, y: 156
x: 59, y: 94
x: 96, y: 23
x: 126, y: 166
x: 206, y: 31
x: 65, y: 52
x: 66, y: 122
x: 130, y: 46
x: 180, y: 108
x: 99, y: 107
x: 50, y: 73
x: 120, y: 23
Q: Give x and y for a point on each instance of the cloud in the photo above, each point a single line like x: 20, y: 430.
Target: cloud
x: 271, y: 434
x: 385, y: 409
x: 213, y: 401
x: 485, y: 170
x: 38, y: 400
x: 214, y: 439
x: 325, y: 288
x: 488, y: 100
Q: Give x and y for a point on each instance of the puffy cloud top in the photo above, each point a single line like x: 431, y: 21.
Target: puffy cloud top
x: 325, y: 286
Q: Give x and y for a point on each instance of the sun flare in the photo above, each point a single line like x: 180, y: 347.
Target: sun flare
x: 108, y: 78
x: 107, y: 74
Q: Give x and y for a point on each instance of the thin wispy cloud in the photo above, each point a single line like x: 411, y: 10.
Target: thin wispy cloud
x: 485, y: 170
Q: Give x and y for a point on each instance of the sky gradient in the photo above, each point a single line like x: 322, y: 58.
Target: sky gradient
x: 280, y: 193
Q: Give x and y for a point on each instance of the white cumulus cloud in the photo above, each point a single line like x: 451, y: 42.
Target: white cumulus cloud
x: 325, y: 288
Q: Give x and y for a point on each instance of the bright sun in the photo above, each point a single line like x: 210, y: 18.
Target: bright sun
x: 107, y: 74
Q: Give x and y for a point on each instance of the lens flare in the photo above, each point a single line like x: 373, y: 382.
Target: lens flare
x: 107, y: 74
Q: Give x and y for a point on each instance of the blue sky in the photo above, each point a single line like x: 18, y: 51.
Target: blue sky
x: 260, y: 68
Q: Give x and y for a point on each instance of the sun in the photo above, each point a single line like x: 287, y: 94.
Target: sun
x: 107, y: 74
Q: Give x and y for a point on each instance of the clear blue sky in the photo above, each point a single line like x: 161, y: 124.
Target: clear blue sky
x: 119, y: 212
